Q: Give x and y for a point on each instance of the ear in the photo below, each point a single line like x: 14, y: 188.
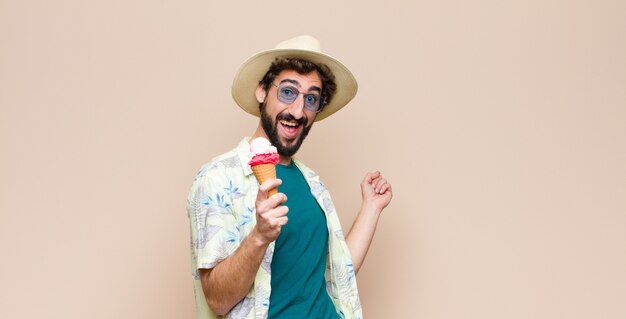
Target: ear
x: 260, y: 93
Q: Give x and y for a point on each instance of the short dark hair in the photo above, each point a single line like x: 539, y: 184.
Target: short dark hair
x: 302, y: 66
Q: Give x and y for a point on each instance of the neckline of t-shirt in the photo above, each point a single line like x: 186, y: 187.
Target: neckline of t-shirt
x: 291, y: 165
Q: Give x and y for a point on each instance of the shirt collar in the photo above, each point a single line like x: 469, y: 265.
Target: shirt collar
x: 243, y: 152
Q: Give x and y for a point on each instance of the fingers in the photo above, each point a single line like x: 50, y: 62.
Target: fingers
x: 279, y: 222
x: 370, y: 177
x: 271, y: 216
x: 377, y: 182
x: 384, y: 189
x: 265, y: 204
x: 265, y: 187
x: 274, y: 218
x: 274, y: 213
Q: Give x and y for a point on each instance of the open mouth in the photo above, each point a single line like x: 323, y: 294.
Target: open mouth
x: 291, y: 128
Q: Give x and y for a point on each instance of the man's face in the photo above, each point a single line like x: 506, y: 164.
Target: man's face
x: 287, y: 125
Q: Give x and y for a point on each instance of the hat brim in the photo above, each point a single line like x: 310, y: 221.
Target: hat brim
x: 252, y: 71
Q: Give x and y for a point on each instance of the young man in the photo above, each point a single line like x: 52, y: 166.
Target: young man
x: 285, y: 255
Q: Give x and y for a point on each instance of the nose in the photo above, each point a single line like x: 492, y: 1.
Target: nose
x: 296, y: 109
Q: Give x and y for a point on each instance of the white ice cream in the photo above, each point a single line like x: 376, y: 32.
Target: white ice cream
x: 261, y: 145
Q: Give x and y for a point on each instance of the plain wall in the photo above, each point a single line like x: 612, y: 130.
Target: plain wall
x: 500, y: 124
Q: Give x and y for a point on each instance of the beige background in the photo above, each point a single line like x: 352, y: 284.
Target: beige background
x: 501, y: 125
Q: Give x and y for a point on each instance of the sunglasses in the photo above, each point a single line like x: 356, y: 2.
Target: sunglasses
x: 288, y: 93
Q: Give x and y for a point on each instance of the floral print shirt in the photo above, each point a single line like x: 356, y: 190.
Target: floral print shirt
x: 221, y: 213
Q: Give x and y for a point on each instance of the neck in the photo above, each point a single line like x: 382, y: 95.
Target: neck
x: 284, y: 160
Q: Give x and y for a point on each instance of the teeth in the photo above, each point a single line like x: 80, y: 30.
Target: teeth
x: 286, y: 123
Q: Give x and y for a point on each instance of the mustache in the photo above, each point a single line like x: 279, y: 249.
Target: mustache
x: 288, y: 117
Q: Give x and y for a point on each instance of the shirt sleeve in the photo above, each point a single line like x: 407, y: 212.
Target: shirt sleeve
x: 214, y: 235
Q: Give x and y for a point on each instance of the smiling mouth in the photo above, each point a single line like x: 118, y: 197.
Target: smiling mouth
x: 290, y: 128
x: 289, y: 123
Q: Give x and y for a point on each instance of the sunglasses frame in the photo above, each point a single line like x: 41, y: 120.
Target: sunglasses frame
x: 297, y: 92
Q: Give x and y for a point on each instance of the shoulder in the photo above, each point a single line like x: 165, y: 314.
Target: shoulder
x: 220, y: 165
x: 221, y: 174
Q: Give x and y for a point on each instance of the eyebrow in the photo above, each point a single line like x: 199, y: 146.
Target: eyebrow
x: 292, y: 81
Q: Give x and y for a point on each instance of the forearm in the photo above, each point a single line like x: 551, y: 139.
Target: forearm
x: 361, y: 234
x: 228, y: 283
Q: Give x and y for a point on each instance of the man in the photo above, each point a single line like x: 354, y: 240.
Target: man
x: 280, y: 256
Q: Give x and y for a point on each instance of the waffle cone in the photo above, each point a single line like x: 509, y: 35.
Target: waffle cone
x: 264, y: 172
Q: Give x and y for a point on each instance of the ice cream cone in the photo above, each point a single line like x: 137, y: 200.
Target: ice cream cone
x: 264, y: 172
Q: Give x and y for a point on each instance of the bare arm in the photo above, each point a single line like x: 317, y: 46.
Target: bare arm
x: 376, y: 193
x: 230, y: 280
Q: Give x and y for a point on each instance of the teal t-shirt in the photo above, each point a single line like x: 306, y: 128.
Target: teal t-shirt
x: 299, y: 261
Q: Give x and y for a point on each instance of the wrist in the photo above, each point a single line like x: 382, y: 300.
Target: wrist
x: 257, y: 240
x: 370, y: 210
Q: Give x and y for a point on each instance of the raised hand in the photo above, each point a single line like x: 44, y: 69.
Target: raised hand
x: 376, y: 192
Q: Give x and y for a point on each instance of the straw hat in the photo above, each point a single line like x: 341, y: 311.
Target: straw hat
x: 306, y: 47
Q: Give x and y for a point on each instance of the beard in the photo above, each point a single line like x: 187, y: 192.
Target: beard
x: 271, y: 130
